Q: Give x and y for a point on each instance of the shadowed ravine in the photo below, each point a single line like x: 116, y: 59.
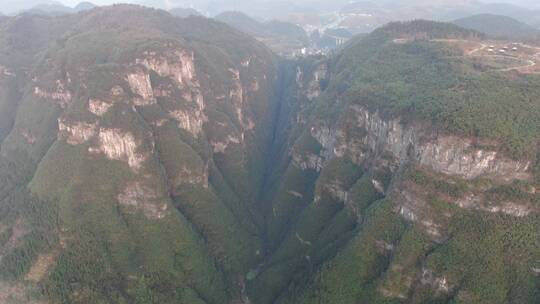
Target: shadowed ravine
x: 146, y: 158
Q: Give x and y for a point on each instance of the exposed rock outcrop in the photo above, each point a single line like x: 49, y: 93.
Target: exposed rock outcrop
x: 76, y: 133
x: 178, y: 64
x: 413, y: 205
x: 308, y: 161
x: 120, y: 145
x: 141, y: 197
x: 221, y: 146
x: 191, y: 121
x: 310, y: 85
x: 6, y: 72
x: 39, y: 269
x: 479, y: 202
x: 337, y: 191
x: 28, y: 136
x: 418, y: 143
x: 439, y: 284
x: 60, y: 95
x: 190, y: 176
x: 390, y: 144
x: 98, y: 107
x: 140, y: 84
x: 236, y: 94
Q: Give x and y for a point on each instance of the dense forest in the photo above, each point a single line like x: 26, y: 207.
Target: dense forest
x: 146, y: 158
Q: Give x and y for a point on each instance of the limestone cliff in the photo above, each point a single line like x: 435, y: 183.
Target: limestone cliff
x: 148, y: 158
x: 391, y: 145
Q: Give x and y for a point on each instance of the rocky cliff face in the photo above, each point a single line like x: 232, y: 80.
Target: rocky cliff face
x: 390, y: 203
x: 389, y: 144
x: 389, y: 152
x: 180, y: 161
x: 149, y: 131
x: 445, y: 154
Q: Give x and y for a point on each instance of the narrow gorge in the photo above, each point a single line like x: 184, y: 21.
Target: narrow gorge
x: 155, y: 159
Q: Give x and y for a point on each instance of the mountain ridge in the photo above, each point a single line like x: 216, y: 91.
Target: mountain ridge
x: 499, y: 26
x: 177, y: 160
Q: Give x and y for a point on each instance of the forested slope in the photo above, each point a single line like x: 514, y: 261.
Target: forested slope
x: 146, y: 158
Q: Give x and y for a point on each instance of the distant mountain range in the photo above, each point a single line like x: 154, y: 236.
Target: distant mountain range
x: 146, y: 158
x: 43, y: 7
x: 357, y: 16
x: 280, y: 36
x: 267, y: 9
x: 184, y: 12
x: 526, y: 15
x: 365, y: 16
x: 499, y: 26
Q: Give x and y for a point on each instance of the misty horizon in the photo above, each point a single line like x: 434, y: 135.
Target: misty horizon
x: 213, y: 7
x: 269, y: 151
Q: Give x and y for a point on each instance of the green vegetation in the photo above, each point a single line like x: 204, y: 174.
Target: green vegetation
x: 427, y: 80
x: 347, y: 278
x: 252, y: 204
x: 318, y: 231
x: 480, y: 258
x: 478, y: 262
x: 386, y: 259
x: 105, y: 246
x: 103, y: 250
x: 452, y: 186
x: 282, y: 37
x: 32, y: 233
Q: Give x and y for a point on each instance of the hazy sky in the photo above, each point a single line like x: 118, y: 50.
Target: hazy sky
x: 98, y: 2
x: 250, y: 6
x: 103, y: 2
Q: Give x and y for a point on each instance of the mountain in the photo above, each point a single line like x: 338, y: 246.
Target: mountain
x: 242, y: 22
x: 522, y: 14
x: 403, y: 205
x: 366, y: 16
x: 282, y: 37
x: 184, y: 12
x: 15, y: 6
x: 499, y: 26
x: 49, y: 9
x: 264, y: 9
x: 57, y: 9
x: 146, y: 158
x: 84, y: 6
x: 130, y: 156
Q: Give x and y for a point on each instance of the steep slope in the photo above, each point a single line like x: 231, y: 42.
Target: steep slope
x: 282, y: 37
x: 48, y: 10
x: 151, y: 159
x: 84, y: 6
x: 57, y: 9
x: 409, y: 180
x: 143, y: 141
x: 184, y: 12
